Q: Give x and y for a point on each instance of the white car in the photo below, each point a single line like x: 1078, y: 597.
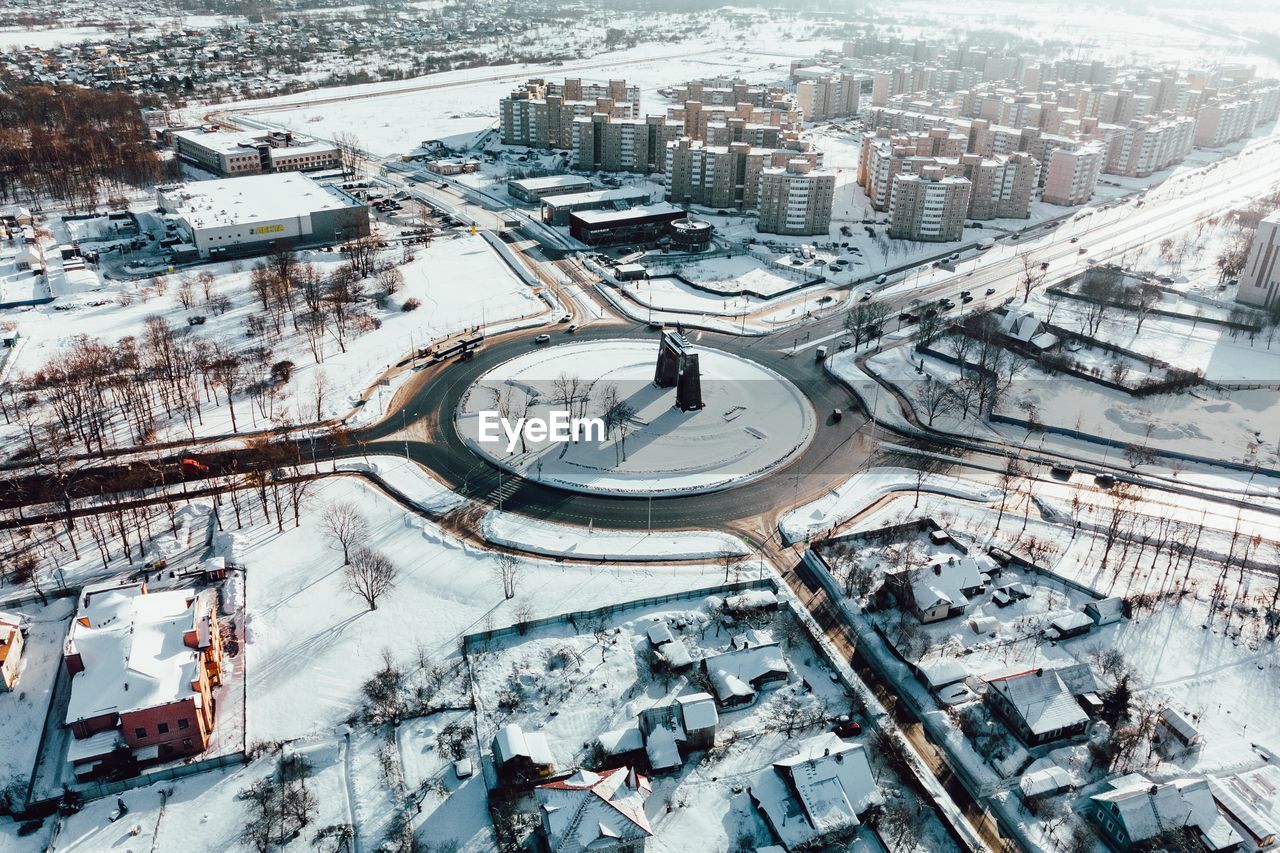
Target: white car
x: 542, y: 339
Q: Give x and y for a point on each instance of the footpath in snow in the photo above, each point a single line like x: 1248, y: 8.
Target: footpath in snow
x: 864, y: 488
x: 563, y: 540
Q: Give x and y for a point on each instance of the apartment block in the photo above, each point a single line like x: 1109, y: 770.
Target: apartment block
x: 697, y: 118
x: 725, y: 92
x: 796, y: 199
x: 828, y: 97
x: 884, y: 155
x: 1221, y: 122
x: 1260, y: 280
x: 930, y: 206
x: 603, y: 143
x: 724, y: 176
x: 540, y: 114
x: 1072, y: 174
x: 1001, y: 187
x: 1145, y: 147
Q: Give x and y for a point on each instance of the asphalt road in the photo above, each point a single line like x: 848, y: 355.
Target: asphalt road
x: 834, y: 454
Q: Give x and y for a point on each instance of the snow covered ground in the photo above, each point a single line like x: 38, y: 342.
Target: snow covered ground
x: 865, y: 488
x: 459, y: 282
x: 753, y: 420
x: 517, y: 531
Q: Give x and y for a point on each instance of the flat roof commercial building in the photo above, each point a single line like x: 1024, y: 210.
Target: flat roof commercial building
x: 642, y: 224
x: 556, y: 209
x: 534, y: 190
x: 245, y: 216
x: 231, y: 154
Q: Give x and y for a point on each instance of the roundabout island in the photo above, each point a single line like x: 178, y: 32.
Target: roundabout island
x: 657, y: 418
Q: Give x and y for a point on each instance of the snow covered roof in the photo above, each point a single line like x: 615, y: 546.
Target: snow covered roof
x: 659, y: 632
x: 831, y: 783
x: 942, y: 671
x: 752, y: 599
x: 550, y: 182
x: 1146, y: 809
x: 676, y: 653
x: 1179, y: 725
x: 1041, y: 699
x: 617, y: 194
x: 753, y: 637
x: 511, y: 741
x: 662, y: 749
x: 734, y: 672
x: 95, y: 746
x: 1022, y: 325
x: 132, y: 646
x: 698, y: 710
x: 1107, y: 609
x: 1047, y: 780
x: 1071, y: 621
x: 619, y: 741
x: 590, y: 811
x: 944, y: 581
x: 252, y: 198
x: 604, y: 217
x: 1252, y: 799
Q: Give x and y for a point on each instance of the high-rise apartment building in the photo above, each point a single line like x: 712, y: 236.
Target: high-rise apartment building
x: 829, y: 96
x: 1000, y: 187
x: 541, y: 114
x: 930, y: 206
x: 1073, y: 174
x: 796, y: 199
x: 1260, y: 279
x: 601, y: 142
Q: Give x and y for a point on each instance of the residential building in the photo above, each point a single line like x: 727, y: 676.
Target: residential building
x: 930, y: 206
x: 541, y: 114
x: 11, y: 644
x: 594, y: 812
x: 696, y: 118
x: 254, y: 214
x: 1221, y: 122
x: 739, y: 674
x: 1260, y: 279
x: 673, y: 730
x: 604, y: 143
x: 1072, y: 174
x: 1001, y: 186
x: 713, y: 175
x: 143, y: 666
x: 556, y: 208
x: 829, y: 96
x: 231, y: 154
x: 823, y: 790
x: 942, y: 588
x: 520, y: 756
x: 453, y: 166
x: 1038, y: 706
x: 725, y: 92
x: 1144, y: 147
x: 534, y: 190
x: 1136, y: 811
x: 796, y: 199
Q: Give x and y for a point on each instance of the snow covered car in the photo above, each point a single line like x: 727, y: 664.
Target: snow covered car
x: 956, y: 694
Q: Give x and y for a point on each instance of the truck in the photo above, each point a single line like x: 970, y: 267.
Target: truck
x: 820, y: 353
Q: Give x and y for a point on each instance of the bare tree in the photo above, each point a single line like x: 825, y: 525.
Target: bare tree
x: 344, y: 527
x: 370, y: 575
x: 506, y: 567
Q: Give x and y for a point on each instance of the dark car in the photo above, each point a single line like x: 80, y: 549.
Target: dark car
x: 848, y: 728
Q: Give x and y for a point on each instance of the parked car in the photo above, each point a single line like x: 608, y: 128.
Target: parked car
x: 956, y: 694
x: 848, y: 728
x: 845, y: 343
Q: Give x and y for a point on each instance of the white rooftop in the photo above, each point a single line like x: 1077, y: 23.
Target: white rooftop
x: 595, y: 196
x: 253, y: 198
x: 132, y: 648
x: 549, y: 181
x: 638, y: 212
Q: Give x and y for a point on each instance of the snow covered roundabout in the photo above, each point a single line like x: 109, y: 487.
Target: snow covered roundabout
x: 752, y: 420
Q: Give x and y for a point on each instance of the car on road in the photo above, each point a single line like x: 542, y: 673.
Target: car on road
x: 990, y: 290
x: 837, y: 415
x: 907, y: 317
x: 967, y: 298
x: 1075, y: 239
x: 1104, y: 481
x: 947, y: 304
x: 542, y: 339
x: 564, y: 318
x: 865, y: 296
x: 882, y: 279
x: 1082, y: 250
x: 573, y: 327
x: 845, y: 343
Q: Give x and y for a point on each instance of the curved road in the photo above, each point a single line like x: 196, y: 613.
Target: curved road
x: 832, y: 457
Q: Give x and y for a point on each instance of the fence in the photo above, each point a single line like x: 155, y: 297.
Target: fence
x: 470, y: 641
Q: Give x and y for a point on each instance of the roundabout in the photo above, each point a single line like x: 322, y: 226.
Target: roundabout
x: 424, y: 428
x: 748, y: 421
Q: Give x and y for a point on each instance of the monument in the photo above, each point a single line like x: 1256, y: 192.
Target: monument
x: 678, y: 366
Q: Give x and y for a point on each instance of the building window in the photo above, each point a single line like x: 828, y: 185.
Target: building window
x: 162, y: 728
x: 182, y: 723
x: 140, y: 733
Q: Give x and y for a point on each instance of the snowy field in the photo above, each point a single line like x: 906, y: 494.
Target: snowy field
x: 753, y: 420
x: 459, y: 283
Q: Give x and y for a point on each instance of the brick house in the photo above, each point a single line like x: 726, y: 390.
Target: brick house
x: 143, y: 667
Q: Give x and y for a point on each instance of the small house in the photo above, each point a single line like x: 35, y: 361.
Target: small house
x: 1046, y: 780
x: 1172, y: 727
x: 1105, y: 611
x: 942, y: 589
x: 520, y: 756
x: 597, y: 812
x: 738, y: 674
x: 1136, y: 811
x: 1071, y: 624
x: 1037, y: 705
